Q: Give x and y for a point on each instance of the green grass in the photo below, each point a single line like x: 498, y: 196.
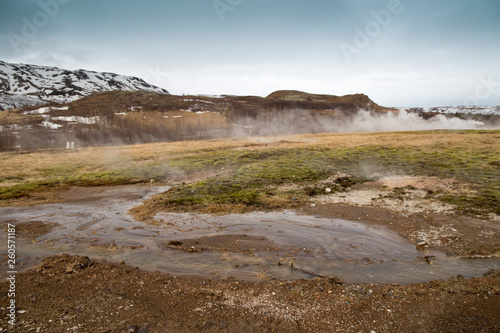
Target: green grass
x: 257, y: 174
x: 255, y: 178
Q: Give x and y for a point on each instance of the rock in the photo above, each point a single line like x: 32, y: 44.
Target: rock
x: 77, y: 263
x: 429, y: 259
x: 421, y: 242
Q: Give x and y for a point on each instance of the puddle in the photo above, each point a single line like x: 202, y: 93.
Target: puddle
x: 96, y: 223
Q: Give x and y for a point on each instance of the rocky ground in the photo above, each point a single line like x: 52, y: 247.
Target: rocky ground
x: 67, y: 293
x: 76, y: 294
x: 73, y: 293
x: 401, y: 204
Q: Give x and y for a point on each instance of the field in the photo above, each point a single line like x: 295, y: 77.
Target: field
x: 439, y: 189
x: 265, y: 173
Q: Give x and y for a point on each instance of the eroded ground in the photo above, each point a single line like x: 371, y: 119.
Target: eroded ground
x: 372, y: 209
x: 402, y: 204
x: 75, y: 294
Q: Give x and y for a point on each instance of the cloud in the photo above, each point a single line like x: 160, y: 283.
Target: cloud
x: 428, y: 55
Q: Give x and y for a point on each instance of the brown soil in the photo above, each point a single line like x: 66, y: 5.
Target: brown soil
x: 31, y: 230
x: 79, y: 295
x: 68, y: 293
x: 454, y: 234
x: 225, y: 243
x: 414, y: 216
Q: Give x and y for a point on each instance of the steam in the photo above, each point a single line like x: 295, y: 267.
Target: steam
x: 303, y: 122
x: 106, y: 132
x: 364, y: 121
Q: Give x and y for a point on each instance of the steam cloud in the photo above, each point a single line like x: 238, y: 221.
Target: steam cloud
x: 406, y: 121
x: 301, y: 121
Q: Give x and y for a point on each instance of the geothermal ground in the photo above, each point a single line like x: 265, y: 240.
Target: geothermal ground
x: 355, y: 232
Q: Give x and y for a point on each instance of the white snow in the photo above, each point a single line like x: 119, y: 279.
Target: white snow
x: 47, y: 109
x: 79, y: 120
x: 32, y: 84
x: 39, y: 111
x: 50, y: 125
x: 197, y: 100
x: 467, y: 110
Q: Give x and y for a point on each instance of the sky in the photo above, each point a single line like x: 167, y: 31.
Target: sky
x: 398, y: 52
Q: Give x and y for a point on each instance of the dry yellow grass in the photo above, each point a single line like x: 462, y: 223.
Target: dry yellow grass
x: 34, y: 165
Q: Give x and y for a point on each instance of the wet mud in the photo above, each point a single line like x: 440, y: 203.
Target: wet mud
x: 286, y: 245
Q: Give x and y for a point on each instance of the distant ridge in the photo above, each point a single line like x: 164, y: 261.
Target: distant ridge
x: 27, y: 85
x: 355, y: 101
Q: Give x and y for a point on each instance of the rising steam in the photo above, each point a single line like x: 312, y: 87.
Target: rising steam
x: 364, y: 121
x: 302, y: 122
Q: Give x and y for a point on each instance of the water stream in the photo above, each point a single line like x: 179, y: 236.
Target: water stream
x: 95, y: 223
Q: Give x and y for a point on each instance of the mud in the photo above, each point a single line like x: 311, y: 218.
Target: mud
x: 285, y: 245
x: 75, y: 294
x: 326, y: 268
x: 225, y: 243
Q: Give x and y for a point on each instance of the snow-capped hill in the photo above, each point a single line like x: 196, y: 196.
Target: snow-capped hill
x: 22, y: 84
x: 462, y: 109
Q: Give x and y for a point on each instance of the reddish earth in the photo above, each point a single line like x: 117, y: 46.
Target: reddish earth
x: 75, y: 294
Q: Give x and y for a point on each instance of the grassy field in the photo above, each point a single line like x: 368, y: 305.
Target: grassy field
x: 264, y: 173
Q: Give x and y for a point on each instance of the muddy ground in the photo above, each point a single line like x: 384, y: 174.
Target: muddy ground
x: 72, y: 293
x: 75, y: 294
x: 457, y: 235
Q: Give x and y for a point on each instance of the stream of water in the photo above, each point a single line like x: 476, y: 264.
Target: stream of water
x: 95, y: 223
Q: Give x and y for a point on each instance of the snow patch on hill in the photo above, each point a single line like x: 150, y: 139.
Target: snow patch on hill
x: 462, y: 109
x: 26, y: 85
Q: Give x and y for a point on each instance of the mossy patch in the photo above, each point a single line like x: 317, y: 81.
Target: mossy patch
x: 283, y: 175
x: 256, y: 175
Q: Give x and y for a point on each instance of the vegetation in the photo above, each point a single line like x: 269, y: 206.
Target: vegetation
x: 119, y: 117
x: 241, y: 175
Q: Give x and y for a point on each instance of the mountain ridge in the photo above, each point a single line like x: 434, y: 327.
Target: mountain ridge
x: 29, y: 85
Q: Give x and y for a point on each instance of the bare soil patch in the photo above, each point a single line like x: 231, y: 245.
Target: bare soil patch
x: 71, y: 293
x: 402, y: 204
x: 454, y: 234
x: 32, y: 229
x: 68, y: 293
x: 225, y: 243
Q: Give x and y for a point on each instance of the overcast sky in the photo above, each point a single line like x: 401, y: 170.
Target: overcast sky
x: 398, y: 52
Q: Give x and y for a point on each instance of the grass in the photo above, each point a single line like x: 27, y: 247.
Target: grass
x: 257, y: 175
x: 268, y: 173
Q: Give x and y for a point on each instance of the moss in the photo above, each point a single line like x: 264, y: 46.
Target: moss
x: 23, y: 190
x: 249, y: 177
x: 255, y: 171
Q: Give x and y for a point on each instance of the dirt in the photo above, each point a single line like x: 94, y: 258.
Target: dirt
x: 400, y: 204
x: 225, y: 243
x: 32, y: 230
x: 454, y: 234
x: 76, y: 294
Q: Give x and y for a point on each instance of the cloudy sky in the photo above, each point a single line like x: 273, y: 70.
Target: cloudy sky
x: 399, y: 52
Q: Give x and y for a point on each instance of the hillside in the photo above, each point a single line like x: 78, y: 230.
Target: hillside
x: 357, y: 101
x: 27, y: 85
x: 130, y: 117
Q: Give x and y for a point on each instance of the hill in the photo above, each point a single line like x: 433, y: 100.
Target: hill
x: 27, y: 85
x: 125, y: 117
